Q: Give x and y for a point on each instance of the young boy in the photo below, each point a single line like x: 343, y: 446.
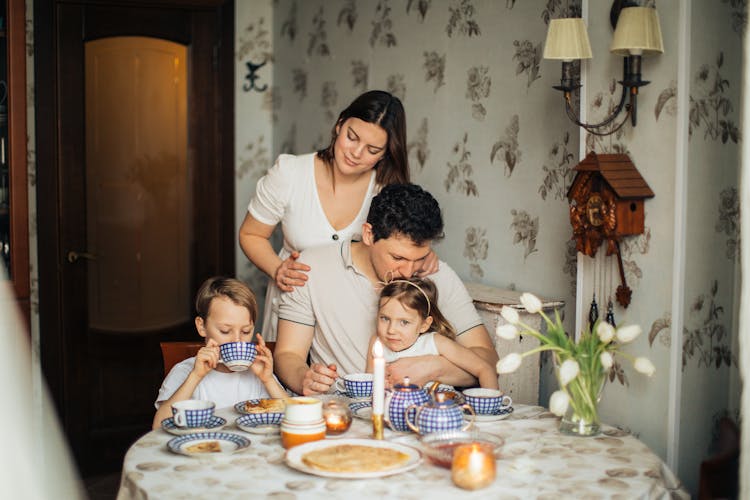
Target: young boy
x: 227, y: 311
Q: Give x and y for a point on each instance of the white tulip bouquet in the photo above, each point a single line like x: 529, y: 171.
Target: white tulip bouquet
x: 581, y: 367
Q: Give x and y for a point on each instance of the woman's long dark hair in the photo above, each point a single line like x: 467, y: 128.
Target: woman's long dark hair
x: 385, y: 110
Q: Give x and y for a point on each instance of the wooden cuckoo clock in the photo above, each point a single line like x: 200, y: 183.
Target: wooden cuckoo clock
x: 606, y: 203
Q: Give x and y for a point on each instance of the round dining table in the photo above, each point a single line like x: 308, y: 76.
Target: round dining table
x: 536, y: 461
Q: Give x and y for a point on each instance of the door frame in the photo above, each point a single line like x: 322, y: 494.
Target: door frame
x: 61, y: 27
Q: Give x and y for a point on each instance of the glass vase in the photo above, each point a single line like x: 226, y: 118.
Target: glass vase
x: 582, y: 416
x: 584, y: 424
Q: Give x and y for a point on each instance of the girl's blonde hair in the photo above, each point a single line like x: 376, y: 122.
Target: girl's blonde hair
x: 421, y: 295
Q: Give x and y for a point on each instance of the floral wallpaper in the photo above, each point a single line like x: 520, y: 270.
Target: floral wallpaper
x: 711, y: 109
x: 487, y: 135
x: 256, y: 96
x: 508, y: 146
x: 459, y: 175
x: 711, y: 221
x: 712, y: 279
x: 728, y: 221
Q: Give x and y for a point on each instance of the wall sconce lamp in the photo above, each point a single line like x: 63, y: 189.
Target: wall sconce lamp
x: 637, y: 33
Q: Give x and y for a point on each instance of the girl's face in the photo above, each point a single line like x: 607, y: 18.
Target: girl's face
x: 399, y: 326
x: 226, y: 322
x: 359, y: 146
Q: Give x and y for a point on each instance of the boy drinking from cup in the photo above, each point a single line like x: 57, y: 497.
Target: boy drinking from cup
x: 227, y: 310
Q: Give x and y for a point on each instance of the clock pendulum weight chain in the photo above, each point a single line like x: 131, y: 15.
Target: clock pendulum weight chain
x: 624, y: 292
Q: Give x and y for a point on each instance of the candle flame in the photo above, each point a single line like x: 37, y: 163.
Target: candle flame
x: 377, y: 349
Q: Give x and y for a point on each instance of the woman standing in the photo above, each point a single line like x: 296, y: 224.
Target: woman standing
x: 321, y: 198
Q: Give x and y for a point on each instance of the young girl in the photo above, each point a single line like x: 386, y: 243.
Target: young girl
x: 227, y: 311
x: 407, y: 310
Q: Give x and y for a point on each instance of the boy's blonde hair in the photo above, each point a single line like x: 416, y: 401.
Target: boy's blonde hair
x: 233, y: 289
x: 421, y: 295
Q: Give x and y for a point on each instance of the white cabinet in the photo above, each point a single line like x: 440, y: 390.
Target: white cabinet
x: 523, y: 384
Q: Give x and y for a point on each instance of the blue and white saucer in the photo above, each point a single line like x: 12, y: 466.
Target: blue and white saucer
x: 342, y: 394
x: 500, y: 414
x: 361, y: 409
x: 213, y: 424
x: 260, y: 428
x: 215, y: 443
x: 260, y: 423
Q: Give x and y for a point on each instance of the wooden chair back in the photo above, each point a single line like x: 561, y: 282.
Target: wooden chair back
x: 175, y: 351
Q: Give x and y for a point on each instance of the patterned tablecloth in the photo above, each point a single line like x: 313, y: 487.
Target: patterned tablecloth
x: 536, y: 462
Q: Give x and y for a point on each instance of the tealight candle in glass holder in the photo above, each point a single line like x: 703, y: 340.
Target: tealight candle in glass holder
x: 337, y: 415
x: 473, y: 466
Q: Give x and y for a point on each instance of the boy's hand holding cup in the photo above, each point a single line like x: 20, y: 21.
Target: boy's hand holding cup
x: 262, y: 367
x: 206, y: 358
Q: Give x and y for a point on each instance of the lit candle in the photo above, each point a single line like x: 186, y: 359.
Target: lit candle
x: 338, y: 417
x: 378, y: 389
x: 378, y: 378
x: 473, y: 466
x: 336, y: 424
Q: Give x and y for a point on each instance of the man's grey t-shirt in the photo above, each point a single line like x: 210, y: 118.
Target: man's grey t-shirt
x: 341, y: 304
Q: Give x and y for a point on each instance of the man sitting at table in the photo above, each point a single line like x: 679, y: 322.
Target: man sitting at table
x: 333, y: 316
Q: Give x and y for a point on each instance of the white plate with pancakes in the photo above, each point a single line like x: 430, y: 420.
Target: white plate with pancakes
x: 207, y: 443
x: 353, y: 458
x: 269, y: 405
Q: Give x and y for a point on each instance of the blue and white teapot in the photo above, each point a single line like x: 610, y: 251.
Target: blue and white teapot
x: 441, y: 414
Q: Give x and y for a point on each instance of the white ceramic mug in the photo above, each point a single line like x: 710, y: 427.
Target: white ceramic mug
x: 303, y: 409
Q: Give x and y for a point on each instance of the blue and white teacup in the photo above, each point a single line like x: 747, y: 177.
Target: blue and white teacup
x: 356, y: 385
x: 487, y: 401
x: 238, y: 356
x: 192, y: 412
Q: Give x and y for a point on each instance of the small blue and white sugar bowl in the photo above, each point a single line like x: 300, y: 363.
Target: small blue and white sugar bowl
x: 441, y: 414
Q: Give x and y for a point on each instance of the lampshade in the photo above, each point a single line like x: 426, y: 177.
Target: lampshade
x: 637, y: 32
x: 567, y: 39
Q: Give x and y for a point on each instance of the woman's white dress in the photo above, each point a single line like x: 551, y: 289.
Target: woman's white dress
x: 287, y: 194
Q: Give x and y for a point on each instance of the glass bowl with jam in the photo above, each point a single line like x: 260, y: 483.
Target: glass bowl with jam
x: 439, y: 446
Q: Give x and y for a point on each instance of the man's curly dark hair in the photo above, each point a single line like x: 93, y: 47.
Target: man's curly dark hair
x: 406, y: 209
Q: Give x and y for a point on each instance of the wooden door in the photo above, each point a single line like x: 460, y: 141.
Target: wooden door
x: 136, y: 208
x: 14, y: 224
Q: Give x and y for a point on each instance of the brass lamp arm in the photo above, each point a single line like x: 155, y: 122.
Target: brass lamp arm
x: 592, y: 128
x: 630, y: 82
